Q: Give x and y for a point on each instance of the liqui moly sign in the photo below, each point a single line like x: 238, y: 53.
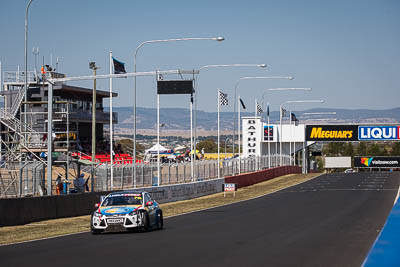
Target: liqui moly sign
x: 379, y: 133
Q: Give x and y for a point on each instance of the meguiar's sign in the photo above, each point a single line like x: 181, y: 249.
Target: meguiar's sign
x: 331, y: 133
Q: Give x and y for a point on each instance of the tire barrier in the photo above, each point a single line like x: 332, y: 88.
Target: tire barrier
x: 247, y: 179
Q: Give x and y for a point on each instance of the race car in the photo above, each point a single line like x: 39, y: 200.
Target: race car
x: 126, y: 210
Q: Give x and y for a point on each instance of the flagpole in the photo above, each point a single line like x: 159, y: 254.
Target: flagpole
x: 191, y: 140
x: 218, y: 102
x: 255, y: 108
x: 280, y: 137
x: 158, y: 140
x: 294, y: 144
x: 111, y: 128
x: 239, y: 129
x: 290, y: 139
x: 269, y: 144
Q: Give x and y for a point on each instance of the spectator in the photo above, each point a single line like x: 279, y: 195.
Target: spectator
x: 59, y: 185
x: 79, y: 184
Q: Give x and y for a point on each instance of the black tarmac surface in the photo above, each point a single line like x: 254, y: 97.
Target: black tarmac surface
x: 332, y: 220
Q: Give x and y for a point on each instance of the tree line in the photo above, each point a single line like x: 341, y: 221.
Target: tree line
x: 352, y: 149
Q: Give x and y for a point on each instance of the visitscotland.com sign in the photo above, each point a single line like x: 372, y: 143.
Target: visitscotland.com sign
x: 352, y: 133
x: 377, y: 162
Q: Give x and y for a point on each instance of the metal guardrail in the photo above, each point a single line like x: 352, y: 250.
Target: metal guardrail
x: 19, y: 76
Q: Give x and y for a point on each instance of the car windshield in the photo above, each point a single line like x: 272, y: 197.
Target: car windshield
x: 122, y: 199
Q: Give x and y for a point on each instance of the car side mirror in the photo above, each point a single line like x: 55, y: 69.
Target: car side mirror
x: 97, y: 205
x: 149, y: 203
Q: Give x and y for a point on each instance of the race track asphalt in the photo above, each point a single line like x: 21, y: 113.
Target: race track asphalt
x: 331, y: 220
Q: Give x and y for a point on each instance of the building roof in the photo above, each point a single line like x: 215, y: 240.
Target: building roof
x: 76, y: 89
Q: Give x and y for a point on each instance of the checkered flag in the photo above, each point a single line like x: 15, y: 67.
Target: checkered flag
x: 259, y: 109
x: 283, y: 112
x: 223, y: 99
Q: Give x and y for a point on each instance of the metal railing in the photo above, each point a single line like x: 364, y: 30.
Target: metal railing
x: 19, y: 76
x: 19, y: 179
x: 175, y: 173
x: 29, y: 179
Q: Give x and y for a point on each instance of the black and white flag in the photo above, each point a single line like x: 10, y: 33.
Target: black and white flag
x: 283, y: 112
x: 259, y: 109
x: 223, y: 99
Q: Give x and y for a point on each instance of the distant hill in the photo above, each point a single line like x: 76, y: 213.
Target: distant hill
x: 179, y: 118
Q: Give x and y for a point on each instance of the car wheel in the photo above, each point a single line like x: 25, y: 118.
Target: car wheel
x: 160, y: 220
x: 145, y: 221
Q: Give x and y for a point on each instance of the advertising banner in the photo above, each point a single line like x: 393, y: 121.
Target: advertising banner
x: 337, y: 162
x: 377, y: 162
x: 379, y: 133
x: 331, y: 133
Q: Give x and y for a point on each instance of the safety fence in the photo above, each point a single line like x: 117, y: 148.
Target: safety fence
x: 23, y: 179
x: 175, y: 173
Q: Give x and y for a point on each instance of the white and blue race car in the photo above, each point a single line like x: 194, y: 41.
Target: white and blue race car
x: 126, y: 210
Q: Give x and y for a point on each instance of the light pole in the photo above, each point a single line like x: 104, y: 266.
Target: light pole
x: 196, y: 85
x: 236, y: 100
x: 280, y: 119
x: 219, y: 39
x: 264, y: 93
x: 92, y: 66
x: 26, y: 65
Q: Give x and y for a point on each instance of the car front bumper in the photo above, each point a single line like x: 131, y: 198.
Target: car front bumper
x: 125, y: 221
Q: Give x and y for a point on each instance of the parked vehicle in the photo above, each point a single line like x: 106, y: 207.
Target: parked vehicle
x: 349, y: 171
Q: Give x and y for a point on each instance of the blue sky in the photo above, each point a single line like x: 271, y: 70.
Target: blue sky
x: 346, y: 51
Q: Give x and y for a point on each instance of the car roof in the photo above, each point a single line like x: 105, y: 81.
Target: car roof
x: 127, y: 192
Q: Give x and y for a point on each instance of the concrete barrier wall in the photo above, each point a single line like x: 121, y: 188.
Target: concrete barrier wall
x: 247, y: 179
x: 18, y: 211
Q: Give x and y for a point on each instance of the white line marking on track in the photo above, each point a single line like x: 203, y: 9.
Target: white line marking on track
x: 397, y: 196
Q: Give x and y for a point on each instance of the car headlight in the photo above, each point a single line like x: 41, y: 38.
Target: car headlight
x: 97, y: 214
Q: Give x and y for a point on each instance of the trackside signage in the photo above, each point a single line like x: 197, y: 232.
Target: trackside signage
x: 353, y: 133
x: 378, y: 133
x: 377, y: 162
x: 331, y: 133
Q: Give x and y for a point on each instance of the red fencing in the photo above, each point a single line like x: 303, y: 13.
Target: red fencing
x: 247, y: 179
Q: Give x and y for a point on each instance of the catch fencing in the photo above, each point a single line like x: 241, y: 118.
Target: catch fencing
x: 175, y: 173
x: 24, y: 179
x: 21, y: 179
